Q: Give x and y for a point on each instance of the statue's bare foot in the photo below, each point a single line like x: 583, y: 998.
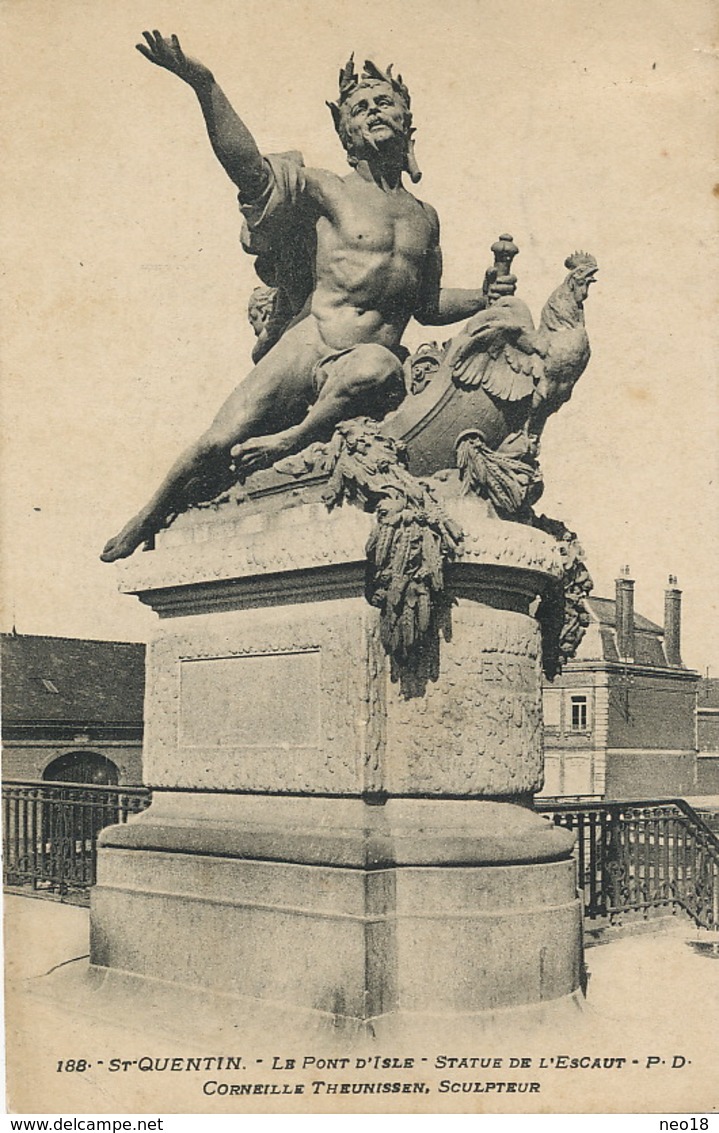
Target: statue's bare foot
x: 137, y: 531
x: 262, y: 452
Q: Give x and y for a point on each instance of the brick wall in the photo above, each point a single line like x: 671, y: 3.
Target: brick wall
x: 650, y: 775
x: 651, y: 712
x: 29, y: 761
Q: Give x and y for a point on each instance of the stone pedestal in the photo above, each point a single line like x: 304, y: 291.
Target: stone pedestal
x: 317, y: 838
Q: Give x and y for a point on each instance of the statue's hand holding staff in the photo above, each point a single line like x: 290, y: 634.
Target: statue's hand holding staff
x: 167, y: 53
x: 498, y: 286
x: 498, y: 280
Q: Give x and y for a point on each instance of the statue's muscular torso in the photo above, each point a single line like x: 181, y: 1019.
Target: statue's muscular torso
x: 376, y: 259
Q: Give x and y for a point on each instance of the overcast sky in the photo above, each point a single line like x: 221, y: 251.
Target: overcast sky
x: 567, y: 123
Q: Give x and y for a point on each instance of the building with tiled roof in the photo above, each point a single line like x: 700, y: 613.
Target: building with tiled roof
x: 72, y: 709
x: 620, y: 721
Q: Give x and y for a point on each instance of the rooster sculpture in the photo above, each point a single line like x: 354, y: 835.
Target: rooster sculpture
x: 501, y: 352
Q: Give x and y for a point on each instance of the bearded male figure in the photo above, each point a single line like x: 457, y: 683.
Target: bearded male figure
x: 356, y: 258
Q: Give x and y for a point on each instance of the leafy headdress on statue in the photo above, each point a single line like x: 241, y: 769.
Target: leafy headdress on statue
x: 349, y: 81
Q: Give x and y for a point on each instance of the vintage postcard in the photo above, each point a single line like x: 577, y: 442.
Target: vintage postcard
x: 485, y: 236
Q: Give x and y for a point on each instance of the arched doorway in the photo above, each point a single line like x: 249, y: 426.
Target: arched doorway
x: 83, y: 767
x: 74, y: 812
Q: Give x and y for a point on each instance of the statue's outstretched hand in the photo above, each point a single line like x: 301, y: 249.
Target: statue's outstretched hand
x: 167, y: 53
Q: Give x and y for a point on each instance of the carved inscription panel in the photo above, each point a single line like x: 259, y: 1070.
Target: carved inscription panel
x: 262, y: 700
x: 251, y: 701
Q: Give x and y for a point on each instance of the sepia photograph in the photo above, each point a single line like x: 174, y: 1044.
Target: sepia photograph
x: 359, y: 640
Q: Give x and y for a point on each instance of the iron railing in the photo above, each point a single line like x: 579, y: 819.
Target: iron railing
x: 634, y: 858
x: 639, y: 857
x: 50, y: 832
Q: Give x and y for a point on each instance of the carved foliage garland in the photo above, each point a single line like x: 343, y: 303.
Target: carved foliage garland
x: 412, y: 540
x: 508, y: 477
x: 562, y: 612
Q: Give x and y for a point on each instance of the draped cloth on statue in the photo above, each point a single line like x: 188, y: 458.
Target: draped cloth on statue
x: 279, y: 229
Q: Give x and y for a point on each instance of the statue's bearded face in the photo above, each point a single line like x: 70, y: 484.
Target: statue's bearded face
x: 373, y: 118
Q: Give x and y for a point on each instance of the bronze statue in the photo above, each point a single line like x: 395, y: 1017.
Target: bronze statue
x: 354, y: 257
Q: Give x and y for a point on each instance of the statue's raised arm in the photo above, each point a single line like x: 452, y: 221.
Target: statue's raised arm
x: 234, y: 146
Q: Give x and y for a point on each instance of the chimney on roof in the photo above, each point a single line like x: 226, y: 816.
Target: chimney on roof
x: 673, y: 623
x: 625, y: 614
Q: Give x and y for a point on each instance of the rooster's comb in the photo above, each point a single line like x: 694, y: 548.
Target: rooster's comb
x: 582, y: 263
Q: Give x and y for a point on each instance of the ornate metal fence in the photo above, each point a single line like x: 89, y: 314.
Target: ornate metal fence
x: 633, y: 857
x: 50, y: 832
x: 636, y: 857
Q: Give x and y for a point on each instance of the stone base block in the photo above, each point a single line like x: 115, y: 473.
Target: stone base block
x: 357, y: 942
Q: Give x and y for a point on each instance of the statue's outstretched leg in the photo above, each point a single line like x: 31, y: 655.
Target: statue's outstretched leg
x: 200, y: 463
x: 365, y: 380
x: 272, y: 397
x: 267, y: 417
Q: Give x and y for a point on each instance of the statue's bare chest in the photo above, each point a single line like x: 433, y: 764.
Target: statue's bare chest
x: 379, y: 223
